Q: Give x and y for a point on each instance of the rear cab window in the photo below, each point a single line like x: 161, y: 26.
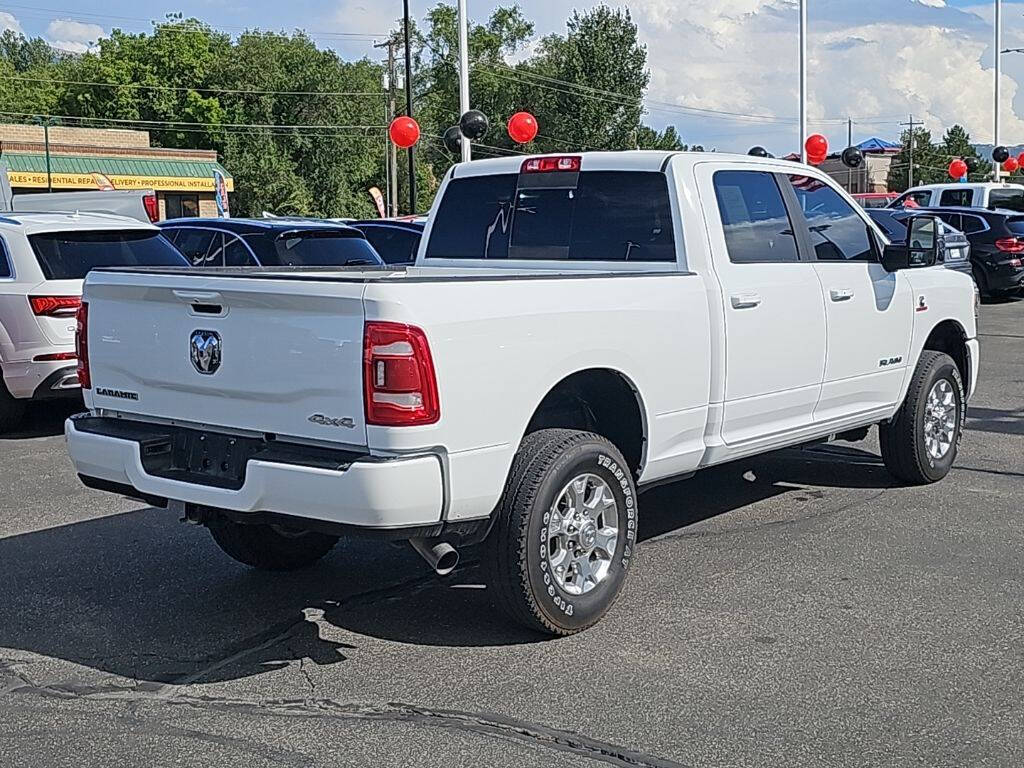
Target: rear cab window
x: 70, y: 255
x: 956, y: 197
x: 1007, y: 199
x: 313, y: 248
x: 607, y: 216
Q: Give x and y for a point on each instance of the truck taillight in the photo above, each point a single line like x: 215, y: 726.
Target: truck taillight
x: 399, y: 384
x: 82, y: 345
x: 567, y: 163
x: 151, y: 205
x: 1010, y: 245
x: 54, y: 305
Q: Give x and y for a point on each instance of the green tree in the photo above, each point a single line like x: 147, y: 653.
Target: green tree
x: 928, y: 162
x: 957, y: 144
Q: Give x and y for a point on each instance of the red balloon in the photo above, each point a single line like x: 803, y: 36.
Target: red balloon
x: 816, y: 145
x: 404, y: 132
x: 816, y: 159
x: 958, y: 169
x: 1020, y: 160
x: 522, y: 127
x: 1011, y: 165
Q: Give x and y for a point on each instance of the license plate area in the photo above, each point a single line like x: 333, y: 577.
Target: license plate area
x: 204, y: 458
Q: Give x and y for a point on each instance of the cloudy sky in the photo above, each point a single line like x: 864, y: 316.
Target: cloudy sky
x: 723, y: 71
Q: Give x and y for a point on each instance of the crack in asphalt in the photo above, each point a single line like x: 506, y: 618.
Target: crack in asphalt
x: 484, y: 723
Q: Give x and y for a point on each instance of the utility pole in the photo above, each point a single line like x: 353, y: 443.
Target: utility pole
x: 46, y: 122
x: 467, y: 151
x: 408, y: 106
x: 910, y: 170
x: 391, y: 158
x: 803, y: 80
x: 999, y: 55
x: 849, y: 143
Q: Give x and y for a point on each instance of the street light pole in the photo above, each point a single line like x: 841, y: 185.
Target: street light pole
x: 999, y: 54
x: 467, y: 151
x: 803, y: 80
x: 408, y: 106
x: 46, y: 122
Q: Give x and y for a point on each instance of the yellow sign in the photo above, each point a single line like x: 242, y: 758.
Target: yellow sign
x: 88, y: 181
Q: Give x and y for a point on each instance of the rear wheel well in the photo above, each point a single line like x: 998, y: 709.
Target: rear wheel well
x: 597, y: 400
x: 949, y: 337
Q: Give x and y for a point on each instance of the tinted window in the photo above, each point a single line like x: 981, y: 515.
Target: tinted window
x: 180, y: 206
x: 236, y: 254
x: 971, y: 224
x: 757, y: 227
x: 1015, y: 225
x: 952, y: 219
x: 956, y: 197
x: 5, y: 261
x: 196, y: 244
x: 394, y: 244
x: 70, y: 255
x: 592, y: 216
x: 892, y: 226
x: 1009, y: 199
x: 321, y: 249
x: 837, y: 232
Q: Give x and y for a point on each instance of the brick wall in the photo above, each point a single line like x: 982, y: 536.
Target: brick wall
x: 97, y: 137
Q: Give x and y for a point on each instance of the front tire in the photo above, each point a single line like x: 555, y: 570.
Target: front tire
x: 271, y: 547
x: 565, y: 533
x: 920, y: 444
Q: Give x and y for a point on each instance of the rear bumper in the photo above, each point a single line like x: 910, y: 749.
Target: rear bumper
x: 42, y: 380
x: 369, y: 493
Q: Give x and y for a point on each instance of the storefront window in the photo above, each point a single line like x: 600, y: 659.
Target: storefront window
x: 179, y: 206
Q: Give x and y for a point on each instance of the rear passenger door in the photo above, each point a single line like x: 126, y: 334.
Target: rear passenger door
x: 774, y: 314
x: 867, y: 309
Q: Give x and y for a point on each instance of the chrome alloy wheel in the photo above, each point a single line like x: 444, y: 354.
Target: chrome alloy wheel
x: 939, y: 419
x: 581, y: 534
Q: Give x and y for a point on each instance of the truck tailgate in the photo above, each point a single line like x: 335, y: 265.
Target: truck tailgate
x: 242, y: 353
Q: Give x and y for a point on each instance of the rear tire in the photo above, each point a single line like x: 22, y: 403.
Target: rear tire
x: 550, y: 569
x: 920, y: 444
x: 12, y: 410
x: 271, y: 547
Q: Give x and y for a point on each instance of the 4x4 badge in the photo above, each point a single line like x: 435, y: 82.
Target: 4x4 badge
x: 204, y: 351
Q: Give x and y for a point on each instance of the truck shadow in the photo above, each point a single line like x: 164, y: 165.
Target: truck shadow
x: 44, y: 419
x: 141, y: 596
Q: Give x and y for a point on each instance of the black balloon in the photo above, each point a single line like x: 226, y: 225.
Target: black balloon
x: 972, y: 164
x: 852, y: 157
x: 758, y: 152
x: 1000, y: 154
x: 453, y: 140
x: 474, y: 125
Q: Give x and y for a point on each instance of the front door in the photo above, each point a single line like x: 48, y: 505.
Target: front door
x: 868, y: 311
x: 774, y: 315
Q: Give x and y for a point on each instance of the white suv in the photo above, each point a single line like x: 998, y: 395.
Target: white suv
x: 43, y: 259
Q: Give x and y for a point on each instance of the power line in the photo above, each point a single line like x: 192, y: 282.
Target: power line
x: 314, y: 126
x: 241, y: 91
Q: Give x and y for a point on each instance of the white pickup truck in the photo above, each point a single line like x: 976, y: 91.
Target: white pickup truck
x: 575, y: 328
x: 989, y: 194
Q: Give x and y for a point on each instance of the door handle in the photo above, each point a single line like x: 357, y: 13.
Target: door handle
x: 840, y: 294
x: 745, y: 300
x: 198, y: 297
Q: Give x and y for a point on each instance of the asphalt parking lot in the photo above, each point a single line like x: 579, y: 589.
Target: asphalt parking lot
x: 797, y: 609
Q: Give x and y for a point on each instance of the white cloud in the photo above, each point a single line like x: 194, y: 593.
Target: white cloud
x: 8, y: 21
x: 73, y: 36
x: 878, y: 60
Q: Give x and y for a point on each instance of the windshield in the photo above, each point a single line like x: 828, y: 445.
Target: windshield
x: 70, y: 255
x: 1008, y: 199
x: 321, y: 249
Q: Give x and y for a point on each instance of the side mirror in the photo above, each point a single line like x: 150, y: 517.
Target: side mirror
x: 895, y: 257
x: 923, y: 240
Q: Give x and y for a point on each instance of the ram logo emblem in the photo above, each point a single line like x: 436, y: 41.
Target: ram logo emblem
x: 204, y: 351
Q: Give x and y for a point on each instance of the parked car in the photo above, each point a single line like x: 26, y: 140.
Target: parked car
x: 997, y: 246
x: 577, y: 327
x: 990, y: 195
x: 395, y: 241
x: 874, y: 199
x: 274, y: 242
x: 954, y: 248
x: 43, y: 259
